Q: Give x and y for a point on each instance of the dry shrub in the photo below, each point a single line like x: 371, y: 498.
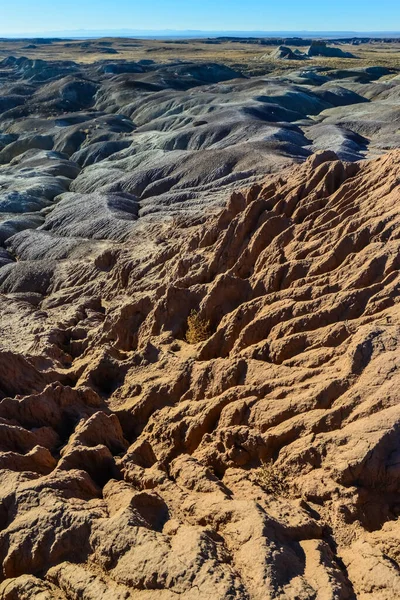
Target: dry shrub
x: 198, y: 330
x: 272, y: 479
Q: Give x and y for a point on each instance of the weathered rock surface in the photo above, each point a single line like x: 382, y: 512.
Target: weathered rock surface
x: 93, y: 152
x: 261, y: 462
x: 131, y: 462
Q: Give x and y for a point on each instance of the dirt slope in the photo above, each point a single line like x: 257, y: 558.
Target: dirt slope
x: 132, y: 461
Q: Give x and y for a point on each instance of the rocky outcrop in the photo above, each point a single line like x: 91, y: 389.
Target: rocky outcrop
x: 321, y: 48
x: 261, y: 462
x: 286, y: 53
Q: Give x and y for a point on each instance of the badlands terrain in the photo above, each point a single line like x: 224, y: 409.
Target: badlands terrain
x: 199, y: 320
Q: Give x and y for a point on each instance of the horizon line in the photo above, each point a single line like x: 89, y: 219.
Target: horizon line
x: 16, y: 34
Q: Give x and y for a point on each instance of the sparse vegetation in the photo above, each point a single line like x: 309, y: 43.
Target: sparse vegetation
x: 272, y: 479
x: 198, y: 330
x: 249, y: 56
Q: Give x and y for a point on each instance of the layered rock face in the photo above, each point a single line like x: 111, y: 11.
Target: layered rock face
x: 261, y: 462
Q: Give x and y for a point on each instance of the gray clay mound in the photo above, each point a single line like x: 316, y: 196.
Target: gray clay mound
x: 93, y: 153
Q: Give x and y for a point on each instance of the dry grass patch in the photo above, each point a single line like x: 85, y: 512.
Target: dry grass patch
x: 198, y: 330
x: 272, y: 479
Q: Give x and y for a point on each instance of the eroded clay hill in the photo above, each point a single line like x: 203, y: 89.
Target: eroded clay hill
x: 130, y: 459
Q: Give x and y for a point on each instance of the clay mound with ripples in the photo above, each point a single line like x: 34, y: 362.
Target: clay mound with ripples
x: 260, y: 463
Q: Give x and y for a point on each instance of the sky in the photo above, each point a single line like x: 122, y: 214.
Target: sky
x: 223, y: 15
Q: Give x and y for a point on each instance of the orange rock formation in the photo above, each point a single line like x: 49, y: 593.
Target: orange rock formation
x: 262, y: 463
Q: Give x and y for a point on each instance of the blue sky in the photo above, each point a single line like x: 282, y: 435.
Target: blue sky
x: 267, y: 15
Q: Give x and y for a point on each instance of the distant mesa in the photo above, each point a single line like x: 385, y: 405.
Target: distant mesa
x: 317, y: 48
x: 320, y: 48
x: 285, y: 53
